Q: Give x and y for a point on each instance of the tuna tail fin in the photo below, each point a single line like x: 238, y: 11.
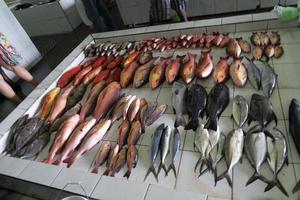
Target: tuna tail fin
x: 151, y: 169
x: 193, y: 124
x: 179, y: 121
x: 225, y: 175
x: 297, y: 187
x: 276, y: 182
x: 199, y: 162
x: 211, y: 124
x: 162, y: 166
x: 172, y: 166
x: 256, y: 176
x: 127, y: 174
x: 203, y: 171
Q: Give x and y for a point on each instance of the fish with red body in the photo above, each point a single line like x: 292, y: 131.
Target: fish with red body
x: 91, y: 75
x: 102, y: 76
x: 88, y: 62
x: 132, y: 158
x: 133, y: 109
x: 131, y: 57
x: 257, y: 53
x: 275, y: 38
x: 127, y: 74
x: 233, y: 48
x: 141, y: 75
x: 124, y: 129
x: 93, y: 137
x: 221, y: 73
x: 108, y: 60
x: 143, y: 103
x: 205, y: 66
x: 134, y: 133
x: 106, y: 99
x: 111, y: 159
x: 60, y: 103
x: 173, y: 69
x: 114, y: 75
x: 225, y: 40
x: 187, y: 72
x: 48, y: 102
x: 68, y: 76
x: 120, y: 161
x: 145, y: 57
x: 238, y: 72
x: 245, y: 46
x: 157, y: 73
x: 218, y: 39
x: 101, y: 156
x: 99, y: 62
x: 208, y: 40
x: 78, y: 78
x: 115, y: 63
x: 118, y: 109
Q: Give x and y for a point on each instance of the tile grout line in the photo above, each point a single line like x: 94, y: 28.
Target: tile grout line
x: 56, y: 176
x: 146, y: 191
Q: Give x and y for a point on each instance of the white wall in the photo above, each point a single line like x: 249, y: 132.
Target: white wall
x: 17, y: 38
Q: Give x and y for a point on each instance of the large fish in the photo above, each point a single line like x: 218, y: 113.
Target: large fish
x: 133, y: 109
x: 173, y: 69
x: 68, y: 76
x: 240, y: 110
x: 195, y: 103
x: 179, y: 104
x: 205, y: 66
x: 268, y: 80
x: 134, y: 133
x: 62, y: 136
x: 221, y: 73
x: 278, y: 156
x: 48, y: 102
x: 201, y: 142
x: 187, y: 71
x: 102, y: 156
x: 233, y: 149
x: 106, y: 99
x: 132, y: 159
x: 233, y: 48
x: 156, y: 138
x: 124, y: 129
x: 294, y: 122
x: 60, y: 104
x: 127, y: 74
x: 218, y: 100
x: 261, y: 110
x: 157, y: 73
x: 164, y: 148
x: 78, y: 78
x: 120, y: 161
x: 75, y: 139
x: 238, y: 72
x: 76, y: 95
x: 89, y: 104
x: 174, y: 150
x: 256, y: 152
x: 254, y: 74
x: 93, y: 137
x: 117, y: 112
x: 141, y: 75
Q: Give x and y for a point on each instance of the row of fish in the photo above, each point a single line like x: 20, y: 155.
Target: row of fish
x: 161, y: 143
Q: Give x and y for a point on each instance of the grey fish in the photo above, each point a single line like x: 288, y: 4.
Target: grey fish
x: 76, y: 95
x: 294, y: 122
x: 240, y: 110
x: 164, y: 148
x: 256, y: 152
x: 218, y: 100
x: 278, y: 156
x: 196, y: 103
x: 154, y: 150
x: 261, y: 110
x: 175, y: 148
x: 178, y: 99
x: 155, y: 115
x: 268, y: 79
x: 56, y: 124
x: 201, y: 142
x: 254, y: 74
x: 233, y: 150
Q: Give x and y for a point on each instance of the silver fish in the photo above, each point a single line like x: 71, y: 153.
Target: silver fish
x: 268, y: 80
x: 178, y: 99
x: 154, y: 150
x: 240, y: 110
x: 233, y: 149
x: 175, y: 148
x: 254, y: 74
x: 164, y: 148
x: 201, y: 142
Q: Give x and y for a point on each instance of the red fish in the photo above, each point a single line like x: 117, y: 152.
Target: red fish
x: 218, y: 39
x: 141, y: 75
x: 102, y: 76
x: 221, y: 73
x: 114, y: 75
x: 205, y: 66
x: 68, y: 76
x: 157, y: 73
x: 91, y: 75
x: 99, y: 62
x: 115, y: 63
x: 233, y: 48
x: 101, y: 156
x: 131, y: 57
x: 127, y: 74
x: 208, y: 40
x: 187, y: 72
x: 172, y: 70
x: 225, y: 40
x: 81, y: 75
x: 145, y: 57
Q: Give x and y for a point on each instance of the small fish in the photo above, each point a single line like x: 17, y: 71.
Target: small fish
x: 218, y: 39
x: 294, y: 122
x: 278, y: 51
x: 157, y: 73
x: 268, y: 80
x: 254, y: 74
x: 155, y: 115
x: 132, y: 159
x: 117, y: 112
x: 187, y: 71
x: 145, y: 112
x: 143, y: 103
x: 102, y: 156
x: 255, y: 39
x: 115, y: 63
x: 156, y: 138
x: 111, y: 159
x: 75, y: 96
x: 175, y: 148
x: 275, y: 38
x: 134, y: 133
x: 240, y: 110
x: 127, y: 105
x: 173, y: 68
x: 264, y: 39
x: 68, y: 76
x: 201, y: 142
x: 142, y: 74
x: 91, y: 75
x: 225, y: 40
x: 205, y: 66
x: 178, y: 98
x: 145, y: 57
x: 269, y: 51
x: 245, y: 46
x: 48, y: 102
x: 127, y: 74
x: 238, y: 72
x: 233, y: 48
x: 133, y: 109
x: 101, y: 77
x: 221, y: 72
x: 257, y: 53
x: 78, y: 78
x: 131, y: 58
x: 196, y: 102
x: 124, y: 129
x: 164, y: 148
x: 120, y: 161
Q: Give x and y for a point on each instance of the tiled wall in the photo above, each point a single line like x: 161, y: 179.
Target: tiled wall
x: 17, y: 37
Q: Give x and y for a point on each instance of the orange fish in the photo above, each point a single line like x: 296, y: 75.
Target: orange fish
x: 233, y: 48
x: 157, y: 73
x: 131, y: 57
x: 172, y: 70
x: 141, y: 75
x: 78, y: 78
x: 102, y: 76
x: 127, y: 74
x: 205, y: 66
x: 115, y: 63
x: 99, y: 62
x: 221, y: 73
x: 187, y: 72
x: 114, y: 75
x: 238, y: 72
x: 48, y: 102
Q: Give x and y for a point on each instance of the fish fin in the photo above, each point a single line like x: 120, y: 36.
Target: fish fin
x: 127, y: 174
x: 192, y: 124
x: 197, y: 164
x: 151, y: 169
x: 297, y: 187
x: 179, y: 121
x: 95, y: 169
x: 202, y: 113
x: 253, y: 178
x: 274, y: 117
x: 277, y: 183
x: 225, y: 175
x: 106, y: 172
x: 71, y: 160
x: 211, y: 124
x: 267, y: 133
x: 203, y: 171
x: 215, y: 172
x: 172, y: 166
x: 159, y: 168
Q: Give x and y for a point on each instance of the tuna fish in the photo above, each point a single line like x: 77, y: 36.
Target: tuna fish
x: 268, y: 80
x: 179, y: 105
x: 221, y: 73
x: 205, y: 66
x: 187, y: 71
x: 101, y: 156
x: 294, y: 122
x: 254, y: 74
x: 164, y: 148
x: 157, y: 73
x: 240, y: 110
x: 174, y: 150
x: 238, y: 72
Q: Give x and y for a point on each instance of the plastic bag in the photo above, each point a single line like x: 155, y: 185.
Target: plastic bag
x: 287, y: 13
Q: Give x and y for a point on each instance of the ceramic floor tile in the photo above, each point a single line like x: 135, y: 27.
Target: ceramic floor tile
x: 126, y: 190
x: 294, y: 156
x: 215, y: 198
x: 150, y: 95
x: 187, y: 179
x: 288, y: 76
x: 291, y: 54
x: 40, y: 173
x: 86, y: 179
x: 286, y: 97
x: 12, y: 166
x: 288, y: 36
x: 157, y: 192
x: 297, y: 171
x: 165, y: 97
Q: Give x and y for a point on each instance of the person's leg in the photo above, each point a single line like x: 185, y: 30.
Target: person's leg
x: 93, y: 14
x: 104, y: 13
x: 8, y: 92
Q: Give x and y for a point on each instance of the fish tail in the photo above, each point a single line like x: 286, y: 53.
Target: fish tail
x: 172, y: 166
x: 151, y: 169
x: 179, y: 121
x: 253, y: 178
x: 211, y: 124
x: 106, y: 172
x: 160, y: 167
x: 193, y: 124
x: 215, y: 172
x: 95, y: 169
x: 203, y: 171
x: 276, y: 182
x: 197, y: 164
x: 225, y: 175
x: 297, y: 187
x: 127, y: 174
x: 48, y: 161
